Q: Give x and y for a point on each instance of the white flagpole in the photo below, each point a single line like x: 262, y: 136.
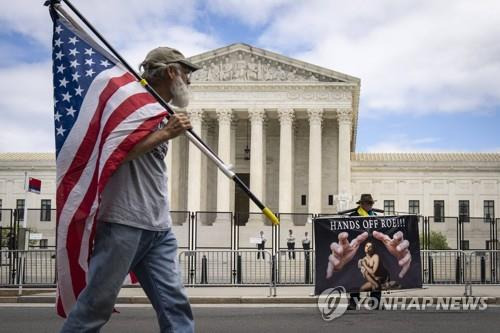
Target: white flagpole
x: 25, y: 236
x: 26, y: 187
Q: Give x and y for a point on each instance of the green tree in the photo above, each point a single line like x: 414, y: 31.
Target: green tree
x: 437, y: 241
x: 3, y: 237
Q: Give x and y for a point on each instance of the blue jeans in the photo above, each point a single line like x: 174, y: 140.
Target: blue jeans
x: 151, y: 255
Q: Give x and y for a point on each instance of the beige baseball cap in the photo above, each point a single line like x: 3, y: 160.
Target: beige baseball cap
x: 165, y: 55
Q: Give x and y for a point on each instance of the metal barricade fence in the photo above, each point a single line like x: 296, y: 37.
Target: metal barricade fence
x: 32, y: 267
x: 295, y: 267
x: 260, y: 268
x: 213, y: 268
x: 483, y: 268
x: 443, y: 266
x: 449, y: 267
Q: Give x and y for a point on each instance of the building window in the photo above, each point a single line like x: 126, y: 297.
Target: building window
x: 44, y: 243
x: 20, y: 209
x: 464, y: 244
x: 330, y: 200
x: 389, y: 207
x: 489, y: 211
x: 463, y: 210
x: 45, y: 210
x: 438, y: 210
x: 492, y: 245
x: 414, y: 207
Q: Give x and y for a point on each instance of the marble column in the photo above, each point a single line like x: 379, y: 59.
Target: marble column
x: 315, y: 157
x: 175, y: 176
x: 232, y: 160
x: 344, y: 118
x: 195, y: 164
x: 257, y: 160
x: 207, y: 134
x: 170, y: 168
x: 285, y: 202
x: 224, y: 117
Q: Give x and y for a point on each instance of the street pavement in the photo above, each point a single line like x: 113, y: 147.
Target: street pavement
x: 254, y: 295
x: 262, y: 318
x: 251, y: 309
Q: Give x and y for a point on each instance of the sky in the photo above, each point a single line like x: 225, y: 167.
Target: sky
x: 429, y: 69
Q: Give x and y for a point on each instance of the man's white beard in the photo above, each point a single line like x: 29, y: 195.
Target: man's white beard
x: 180, y: 93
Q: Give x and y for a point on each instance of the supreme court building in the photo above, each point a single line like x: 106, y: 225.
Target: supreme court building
x: 289, y: 129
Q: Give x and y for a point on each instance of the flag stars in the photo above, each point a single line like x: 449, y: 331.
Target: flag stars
x: 78, y: 91
x: 89, y: 52
x: 61, y: 68
x: 59, y: 55
x: 74, y: 63
x: 57, y: 116
x: 90, y: 72
x: 60, y: 130
x: 66, y: 97
x: 75, y: 76
x: 63, y: 82
x: 70, y: 111
x: 73, y: 52
x: 89, y: 62
x: 73, y: 40
x: 58, y: 29
x: 58, y: 42
x: 105, y: 63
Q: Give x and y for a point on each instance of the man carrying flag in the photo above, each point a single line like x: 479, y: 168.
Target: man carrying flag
x: 111, y: 141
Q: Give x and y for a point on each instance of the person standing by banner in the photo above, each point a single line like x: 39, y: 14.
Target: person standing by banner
x: 306, y: 243
x: 290, y: 244
x: 261, y: 246
x: 306, y: 246
x: 365, y: 208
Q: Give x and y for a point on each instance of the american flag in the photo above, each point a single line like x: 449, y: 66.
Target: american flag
x: 100, y: 113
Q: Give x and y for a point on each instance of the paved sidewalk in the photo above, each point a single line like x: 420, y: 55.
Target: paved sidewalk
x: 252, y: 295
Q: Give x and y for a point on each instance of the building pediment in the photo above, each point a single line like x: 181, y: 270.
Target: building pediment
x: 244, y: 63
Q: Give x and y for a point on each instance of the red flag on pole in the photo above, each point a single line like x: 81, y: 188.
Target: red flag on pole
x: 34, y: 185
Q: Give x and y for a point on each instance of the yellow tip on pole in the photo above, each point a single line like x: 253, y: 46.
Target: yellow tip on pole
x: 270, y: 215
x: 143, y: 82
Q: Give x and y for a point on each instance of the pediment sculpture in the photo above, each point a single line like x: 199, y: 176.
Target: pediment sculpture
x: 243, y: 66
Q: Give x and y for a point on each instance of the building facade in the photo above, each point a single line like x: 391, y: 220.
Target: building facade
x: 289, y: 130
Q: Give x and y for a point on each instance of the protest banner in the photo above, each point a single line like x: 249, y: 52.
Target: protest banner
x: 367, y: 253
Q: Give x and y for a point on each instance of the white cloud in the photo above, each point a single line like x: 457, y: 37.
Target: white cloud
x: 31, y: 138
x: 424, y: 56
x: 118, y: 20
x: 27, y: 17
x: 27, y: 109
x: 401, y: 143
x: 132, y: 27
x: 186, y: 39
x: 27, y: 87
x: 412, y: 56
x: 247, y: 11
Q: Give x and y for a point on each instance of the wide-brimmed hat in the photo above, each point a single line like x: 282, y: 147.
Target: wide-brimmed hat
x: 165, y: 55
x: 366, y: 198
